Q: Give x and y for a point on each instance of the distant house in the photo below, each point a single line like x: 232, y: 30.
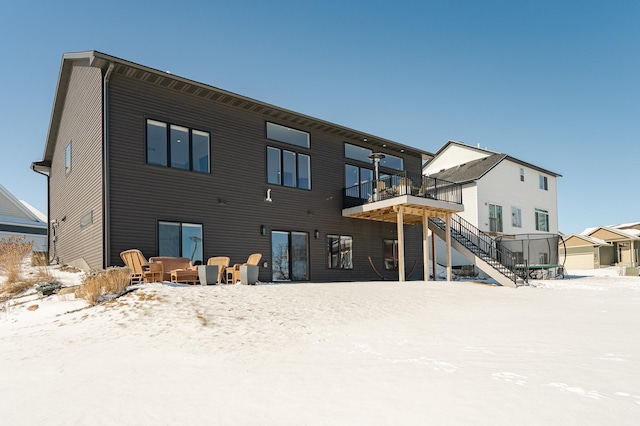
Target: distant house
x: 17, y: 218
x: 502, y: 194
x: 615, y: 245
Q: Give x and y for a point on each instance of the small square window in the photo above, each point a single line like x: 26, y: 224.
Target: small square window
x: 521, y: 175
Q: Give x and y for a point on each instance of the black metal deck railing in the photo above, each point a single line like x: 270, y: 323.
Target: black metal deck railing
x: 402, y: 184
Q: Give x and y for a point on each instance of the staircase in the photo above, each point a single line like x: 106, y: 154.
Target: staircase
x: 481, y: 250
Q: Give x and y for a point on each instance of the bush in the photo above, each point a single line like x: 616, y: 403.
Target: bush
x: 13, y: 253
x: 99, y: 286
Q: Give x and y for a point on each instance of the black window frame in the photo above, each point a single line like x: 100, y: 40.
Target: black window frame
x: 168, y: 141
x: 273, y: 137
x: 297, y: 156
x: 330, y: 253
x: 544, y: 182
x: 180, y: 227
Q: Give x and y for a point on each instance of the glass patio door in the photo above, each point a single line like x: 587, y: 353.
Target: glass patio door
x: 495, y: 218
x: 290, y: 256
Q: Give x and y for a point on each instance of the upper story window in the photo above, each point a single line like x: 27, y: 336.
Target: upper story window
x: 359, y: 180
x: 178, y: 147
x: 67, y: 159
x: 288, y: 168
x: 392, y: 162
x: 543, y: 183
x: 359, y: 153
x: 516, y: 217
x: 284, y: 134
x: 521, y: 175
x: 542, y: 220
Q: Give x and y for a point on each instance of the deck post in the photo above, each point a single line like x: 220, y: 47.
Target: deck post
x: 425, y: 244
x: 433, y: 255
x: 448, y: 237
x: 400, y: 245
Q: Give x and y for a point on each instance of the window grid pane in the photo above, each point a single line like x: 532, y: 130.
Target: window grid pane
x: 156, y: 143
x: 200, y: 151
x: 284, y: 134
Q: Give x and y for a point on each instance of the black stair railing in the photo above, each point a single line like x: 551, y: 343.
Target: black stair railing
x: 483, y: 246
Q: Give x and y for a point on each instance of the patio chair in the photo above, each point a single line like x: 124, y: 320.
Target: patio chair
x: 135, y: 260
x: 222, y: 262
x: 232, y: 273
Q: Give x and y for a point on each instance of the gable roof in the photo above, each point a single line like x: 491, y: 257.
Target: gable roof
x: 117, y: 66
x: 14, y: 212
x: 588, y: 239
x: 471, y: 170
x: 490, y: 154
x: 622, y: 233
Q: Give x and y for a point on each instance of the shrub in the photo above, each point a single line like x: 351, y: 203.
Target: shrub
x: 13, y: 252
x: 100, y: 285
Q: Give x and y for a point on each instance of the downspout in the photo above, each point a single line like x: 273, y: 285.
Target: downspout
x: 50, y: 222
x: 106, y: 209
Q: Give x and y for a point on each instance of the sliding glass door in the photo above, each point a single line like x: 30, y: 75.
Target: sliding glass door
x: 290, y: 256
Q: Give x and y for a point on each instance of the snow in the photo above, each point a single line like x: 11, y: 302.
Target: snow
x: 374, y: 353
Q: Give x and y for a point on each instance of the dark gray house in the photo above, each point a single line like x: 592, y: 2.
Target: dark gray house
x: 140, y: 158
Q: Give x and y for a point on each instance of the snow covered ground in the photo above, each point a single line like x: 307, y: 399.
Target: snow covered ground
x: 561, y: 352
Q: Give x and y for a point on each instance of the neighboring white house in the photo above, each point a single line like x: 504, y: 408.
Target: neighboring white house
x: 18, y: 218
x: 502, y: 195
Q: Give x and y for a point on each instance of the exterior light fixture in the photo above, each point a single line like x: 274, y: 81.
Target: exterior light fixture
x: 316, y: 234
x: 268, y: 199
x: 263, y: 230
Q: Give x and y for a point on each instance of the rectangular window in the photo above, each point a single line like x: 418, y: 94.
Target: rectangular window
x: 284, y: 134
x: 288, y: 168
x: 200, y: 151
x: 177, y: 146
x: 180, y: 240
x: 391, y: 255
x: 156, y: 143
x: 516, y: 217
x: 521, y: 175
x: 543, y: 183
x: 542, y: 220
x: 359, y: 180
x: 67, y: 159
x: 340, y: 252
x: 392, y: 162
x: 357, y: 153
x: 495, y: 218
x: 86, y: 219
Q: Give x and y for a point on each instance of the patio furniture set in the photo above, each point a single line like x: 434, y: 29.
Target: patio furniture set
x: 181, y: 269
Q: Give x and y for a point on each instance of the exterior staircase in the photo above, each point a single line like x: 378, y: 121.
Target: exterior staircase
x: 480, y: 249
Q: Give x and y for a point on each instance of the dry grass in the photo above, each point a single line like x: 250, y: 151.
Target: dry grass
x: 101, y: 284
x: 13, y: 252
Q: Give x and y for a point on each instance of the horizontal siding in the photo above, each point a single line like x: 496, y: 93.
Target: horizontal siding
x: 80, y: 191
x: 142, y: 194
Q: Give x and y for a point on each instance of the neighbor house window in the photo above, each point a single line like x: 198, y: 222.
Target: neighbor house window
x: 495, y: 218
x: 516, y: 217
x: 180, y: 240
x: 179, y: 147
x: 543, y: 183
x: 340, y: 251
x: 288, y: 168
x: 358, y: 181
x: 542, y: 220
x: 285, y: 134
x: 390, y: 254
x: 67, y: 158
x: 521, y: 175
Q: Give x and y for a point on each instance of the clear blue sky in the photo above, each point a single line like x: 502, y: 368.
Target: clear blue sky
x: 553, y: 83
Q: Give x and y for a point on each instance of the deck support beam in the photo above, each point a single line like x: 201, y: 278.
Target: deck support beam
x: 425, y: 244
x: 448, y: 238
x: 400, y: 220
